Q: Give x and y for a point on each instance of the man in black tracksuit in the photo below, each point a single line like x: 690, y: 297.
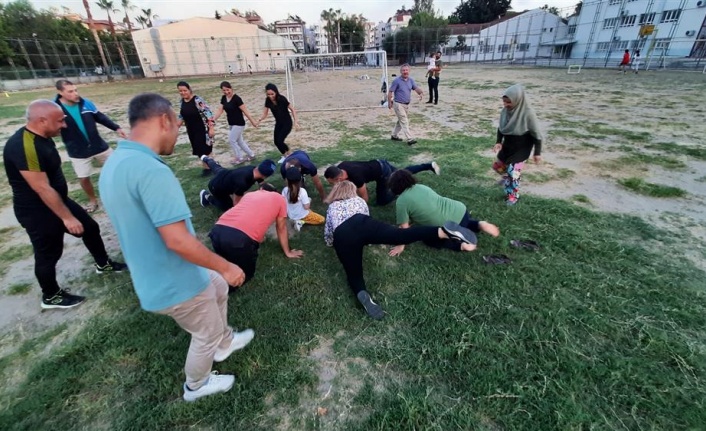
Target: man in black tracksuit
x: 81, y: 138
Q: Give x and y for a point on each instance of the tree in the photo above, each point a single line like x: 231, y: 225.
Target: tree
x: 351, y: 33
x: 332, y: 28
x: 147, y: 14
x: 550, y: 9
x: 423, y: 6
x: 426, y: 32
x: 127, y: 6
x: 479, y: 11
x: 578, y: 7
x: 217, y: 15
x: 460, y: 43
x: 108, y: 6
x: 99, y: 45
x: 142, y: 21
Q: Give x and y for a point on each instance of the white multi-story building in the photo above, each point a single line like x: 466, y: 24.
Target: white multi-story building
x: 382, y: 30
x: 293, y: 30
x: 370, y: 34
x: 606, y: 28
x: 400, y: 19
x: 319, y: 38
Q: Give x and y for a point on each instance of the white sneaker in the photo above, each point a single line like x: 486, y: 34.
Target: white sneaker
x: 298, y: 225
x: 240, y: 340
x: 280, y: 161
x: 436, y: 167
x: 203, y: 158
x: 216, y: 383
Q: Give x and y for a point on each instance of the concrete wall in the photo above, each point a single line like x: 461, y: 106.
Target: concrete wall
x: 28, y: 84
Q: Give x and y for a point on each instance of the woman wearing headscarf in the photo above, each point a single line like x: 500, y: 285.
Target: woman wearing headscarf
x: 518, y: 133
x: 198, y: 118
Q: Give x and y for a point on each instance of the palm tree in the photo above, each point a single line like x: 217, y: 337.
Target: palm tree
x: 108, y: 6
x: 127, y: 6
x: 147, y: 14
x: 333, y: 21
x: 141, y: 20
x: 99, y: 45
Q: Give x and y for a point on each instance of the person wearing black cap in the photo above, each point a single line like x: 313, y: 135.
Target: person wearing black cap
x: 237, y: 234
x: 232, y: 182
x: 298, y: 201
x: 300, y: 159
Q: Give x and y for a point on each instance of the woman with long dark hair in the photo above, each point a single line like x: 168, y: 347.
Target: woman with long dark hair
x: 195, y: 113
x: 281, y: 108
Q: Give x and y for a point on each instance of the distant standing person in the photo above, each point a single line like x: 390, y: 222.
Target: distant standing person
x: 398, y: 98
x: 198, y: 118
x: 518, y: 133
x: 42, y: 205
x: 625, y: 62
x: 81, y: 138
x: 234, y: 108
x: 636, y: 61
x: 433, y: 79
x: 280, y: 107
x: 174, y: 273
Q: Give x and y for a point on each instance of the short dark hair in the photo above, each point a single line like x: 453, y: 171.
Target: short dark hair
x: 60, y: 84
x: 332, y: 172
x: 145, y: 106
x: 400, y: 181
x: 267, y: 187
x: 183, y: 84
x: 226, y: 84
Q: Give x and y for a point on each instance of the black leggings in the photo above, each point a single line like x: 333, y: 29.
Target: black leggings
x: 282, y: 130
x: 236, y: 247
x: 46, y: 232
x: 352, y: 235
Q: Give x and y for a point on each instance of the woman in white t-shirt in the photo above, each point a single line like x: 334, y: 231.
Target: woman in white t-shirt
x: 298, y: 201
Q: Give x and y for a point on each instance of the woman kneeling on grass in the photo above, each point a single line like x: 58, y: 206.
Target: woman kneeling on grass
x: 298, y: 201
x: 518, y: 132
x: 349, y: 228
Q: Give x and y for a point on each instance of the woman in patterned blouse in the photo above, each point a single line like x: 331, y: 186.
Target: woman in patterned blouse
x: 198, y: 118
x: 349, y: 228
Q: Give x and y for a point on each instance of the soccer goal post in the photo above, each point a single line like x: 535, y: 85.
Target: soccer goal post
x: 334, y: 82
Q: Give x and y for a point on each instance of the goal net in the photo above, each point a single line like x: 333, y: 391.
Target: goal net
x: 332, y: 82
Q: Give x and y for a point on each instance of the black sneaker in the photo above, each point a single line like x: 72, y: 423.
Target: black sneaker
x: 63, y: 299
x: 203, y: 198
x: 373, y: 310
x: 429, y: 102
x: 395, y: 138
x: 459, y: 233
x: 411, y: 142
x: 111, y: 266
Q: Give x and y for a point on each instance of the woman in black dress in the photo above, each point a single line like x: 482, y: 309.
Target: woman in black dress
x: 198, y: 118
x: 280, y: 107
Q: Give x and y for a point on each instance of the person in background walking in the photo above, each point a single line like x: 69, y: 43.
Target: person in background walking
x: 433, y: 79
x: 280, y: 107
x: 81, y: 138
x: 636, y: 61
x: 234, y: 108
x: 41, y: 203
x: 625, y: 62
x: 398, y: 98
x: 198, y: 118
x: 518, y: 133
x: 174, y: 274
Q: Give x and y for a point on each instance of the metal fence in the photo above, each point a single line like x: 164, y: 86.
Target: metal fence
x: 36, y: 62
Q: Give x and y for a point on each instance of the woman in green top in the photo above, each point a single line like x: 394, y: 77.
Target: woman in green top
x: 419, y: 204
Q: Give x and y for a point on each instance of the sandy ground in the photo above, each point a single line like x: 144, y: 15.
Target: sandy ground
x: 586, y: 118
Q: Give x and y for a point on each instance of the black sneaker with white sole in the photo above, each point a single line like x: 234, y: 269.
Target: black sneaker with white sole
x: 373, y: 310
x: 63, y: 299
x: 111, y: 266
x: 459, y: 233
x: 203, y: 198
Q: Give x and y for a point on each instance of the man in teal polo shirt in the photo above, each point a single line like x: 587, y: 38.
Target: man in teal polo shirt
x: 174, y: 274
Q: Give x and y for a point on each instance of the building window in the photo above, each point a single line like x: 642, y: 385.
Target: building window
x: 572, y: 29
x: 503, y: 48
x: 610, y: 23
x: 612, y: 2
x: 522, y: 47
x: 638, y: 43
x: 602, y: 46
x: 670, y: 15
x: 662, y: 43
x: 647, y: 18
x: 628, y: 21
x: 551, y: 29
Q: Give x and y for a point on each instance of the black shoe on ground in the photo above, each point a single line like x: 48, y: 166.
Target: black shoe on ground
x: 436, y: 103
x: 203, y: 198
x: 429, y: 102
x: 63, y: 299
x: 411, y: 142
x: 395, y: 138
x: 111, y: 266
x: 459, y: 233
x: 374, y: 311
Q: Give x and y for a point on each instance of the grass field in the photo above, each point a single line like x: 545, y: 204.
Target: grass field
x: 603, y: 328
